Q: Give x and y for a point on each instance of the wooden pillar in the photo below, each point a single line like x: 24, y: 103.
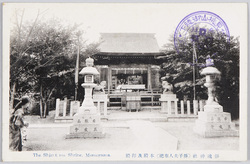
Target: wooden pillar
x: 149, y: 78
x: 156, y: 78
x: 104, y: 74
x: 109, y: 79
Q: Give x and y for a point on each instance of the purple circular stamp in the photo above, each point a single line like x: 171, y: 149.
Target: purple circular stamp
x: 197, y: 24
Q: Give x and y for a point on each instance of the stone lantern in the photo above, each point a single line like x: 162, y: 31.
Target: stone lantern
x: 88, y: 72
x: 86, y: 123
x: 213, y: 122
x: 211, y: 73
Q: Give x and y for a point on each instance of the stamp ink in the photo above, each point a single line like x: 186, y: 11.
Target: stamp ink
x: 200, y: 23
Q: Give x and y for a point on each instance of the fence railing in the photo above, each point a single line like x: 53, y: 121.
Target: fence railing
x: 190, y: 107
x: 65, y: 109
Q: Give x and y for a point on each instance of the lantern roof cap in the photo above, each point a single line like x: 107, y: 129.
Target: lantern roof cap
x: 210, y: 71
x: 89, y: 71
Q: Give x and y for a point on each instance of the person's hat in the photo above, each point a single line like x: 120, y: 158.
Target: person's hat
x: 25, y: 100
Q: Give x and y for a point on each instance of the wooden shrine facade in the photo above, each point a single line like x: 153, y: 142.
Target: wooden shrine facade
x: 130, y: 77
x: 128, y: 61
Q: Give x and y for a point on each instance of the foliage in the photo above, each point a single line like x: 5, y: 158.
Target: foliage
x: 178, y: 66
x: 42, y: 59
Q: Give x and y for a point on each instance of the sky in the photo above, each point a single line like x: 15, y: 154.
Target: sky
x: 159, y: 18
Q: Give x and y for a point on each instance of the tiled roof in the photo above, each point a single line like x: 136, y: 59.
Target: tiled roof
x: 128, y: 43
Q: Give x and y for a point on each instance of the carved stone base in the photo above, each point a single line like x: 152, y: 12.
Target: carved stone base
x: 212, y: 133
x: 85, y: 135
x: 215, y: 124
x: 86, y: 126
x: 213, y: 108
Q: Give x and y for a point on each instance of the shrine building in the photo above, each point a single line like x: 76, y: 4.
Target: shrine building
x: 128, y: 63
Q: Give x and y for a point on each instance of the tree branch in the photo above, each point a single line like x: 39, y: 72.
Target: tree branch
x: 31, y: 30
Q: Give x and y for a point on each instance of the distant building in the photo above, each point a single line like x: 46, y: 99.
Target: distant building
x: 128, y: 60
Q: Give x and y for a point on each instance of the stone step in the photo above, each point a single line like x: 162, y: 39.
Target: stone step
x: 186, y: 118
x: 156, y: 119
x: 153, y: 119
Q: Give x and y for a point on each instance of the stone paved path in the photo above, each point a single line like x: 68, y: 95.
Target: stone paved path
x: 149, y: 137
x: 44, y: 134
x: 127, y: 135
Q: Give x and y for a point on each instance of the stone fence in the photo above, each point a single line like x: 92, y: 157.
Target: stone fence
x: 65, y: 109
x: 182, y: 108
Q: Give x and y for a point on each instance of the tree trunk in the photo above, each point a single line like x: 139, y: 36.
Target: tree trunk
x: 41, y: 102
x: 46, y: 101
x: 45, y: 109
x: 41, y: 108
x: 12, y: 96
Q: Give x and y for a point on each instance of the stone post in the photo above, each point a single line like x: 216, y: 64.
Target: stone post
x: 195, y: 106
x: 182, y: 107
x: 57, y: 107
x: 65, y: 106
x: 101, y: 101
x: 74, y: 107
x: 188, y: 108
x: 201, y: 105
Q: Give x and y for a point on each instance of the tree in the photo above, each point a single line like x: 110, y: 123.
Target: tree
x: 41, y: 58
x: 179, y: 68
x: 18, y: 57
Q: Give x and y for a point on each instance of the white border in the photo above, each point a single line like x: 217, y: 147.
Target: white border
x: 119, y: 156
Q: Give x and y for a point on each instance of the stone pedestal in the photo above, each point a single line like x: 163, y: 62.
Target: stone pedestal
x: 213, y: 122
x: 86, y: 123
x: 169, y: 103
x: 86, y: 126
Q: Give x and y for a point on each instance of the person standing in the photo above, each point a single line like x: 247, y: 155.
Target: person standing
x: 16, y: 124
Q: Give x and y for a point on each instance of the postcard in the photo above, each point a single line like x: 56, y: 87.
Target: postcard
x: 124, y: 82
